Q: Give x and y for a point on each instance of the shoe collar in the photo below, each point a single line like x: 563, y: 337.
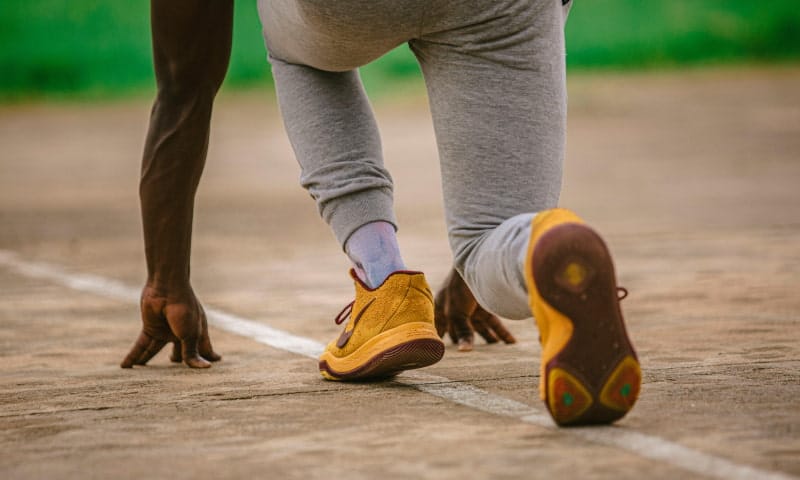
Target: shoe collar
x: 366, y: 287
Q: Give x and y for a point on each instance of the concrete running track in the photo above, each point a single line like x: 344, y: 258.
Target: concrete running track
x: 691, y: 176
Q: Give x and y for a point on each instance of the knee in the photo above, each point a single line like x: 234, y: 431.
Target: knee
x: 490, y: 260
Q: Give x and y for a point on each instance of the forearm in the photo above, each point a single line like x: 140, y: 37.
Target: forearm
x: 173, y: 161
x: 191, y: 49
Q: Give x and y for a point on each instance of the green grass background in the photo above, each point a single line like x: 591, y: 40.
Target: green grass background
x: 101, y: 49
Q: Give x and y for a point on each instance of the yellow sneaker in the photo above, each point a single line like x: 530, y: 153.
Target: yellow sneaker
x: 390, y: 329
x: 589, y: 370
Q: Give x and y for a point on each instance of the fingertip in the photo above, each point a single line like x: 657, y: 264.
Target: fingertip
x: 129, y: 360
x: 507, y: 337
x: 465, y: 345
x: 197, y: 362
x: 212, y: 356
x: 207, y: 352
x: 176, y: 356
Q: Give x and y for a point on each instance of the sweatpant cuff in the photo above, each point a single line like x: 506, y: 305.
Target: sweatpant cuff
x: 348, y: 213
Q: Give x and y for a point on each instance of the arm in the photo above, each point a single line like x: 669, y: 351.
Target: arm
x: 191, y: 49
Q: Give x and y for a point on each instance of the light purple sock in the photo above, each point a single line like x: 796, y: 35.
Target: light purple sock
x: 374, y: 252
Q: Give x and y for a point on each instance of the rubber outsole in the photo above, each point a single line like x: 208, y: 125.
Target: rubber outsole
x: 595, y: 378
x: 404, y: 356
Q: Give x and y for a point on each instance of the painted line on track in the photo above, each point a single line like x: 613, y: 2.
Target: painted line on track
x: 643, y: 445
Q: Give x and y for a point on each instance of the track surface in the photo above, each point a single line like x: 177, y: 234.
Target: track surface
x: 692, y: 178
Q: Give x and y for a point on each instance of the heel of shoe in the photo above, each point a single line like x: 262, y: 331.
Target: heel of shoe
x: 594, y: 376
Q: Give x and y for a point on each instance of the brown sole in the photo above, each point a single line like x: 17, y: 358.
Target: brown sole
x: 595, y: 378
x: 405, y: 356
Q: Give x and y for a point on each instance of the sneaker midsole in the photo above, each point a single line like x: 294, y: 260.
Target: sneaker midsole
x: 378, y: 344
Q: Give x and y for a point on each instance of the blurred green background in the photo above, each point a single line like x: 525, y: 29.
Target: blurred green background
x: 88, y: 49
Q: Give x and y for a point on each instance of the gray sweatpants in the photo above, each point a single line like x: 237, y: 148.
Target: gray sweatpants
x: 495, y: 75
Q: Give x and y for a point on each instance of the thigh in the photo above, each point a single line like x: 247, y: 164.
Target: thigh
x: 496, y: 83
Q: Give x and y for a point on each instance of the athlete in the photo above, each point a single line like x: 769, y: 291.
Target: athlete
x: 495, y: 75
x: 191, y: 49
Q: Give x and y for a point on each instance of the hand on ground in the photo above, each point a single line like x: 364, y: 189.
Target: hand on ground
x: 175, y: 317
x: 458, y: 313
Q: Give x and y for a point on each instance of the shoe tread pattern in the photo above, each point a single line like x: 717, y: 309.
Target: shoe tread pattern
x: 574, y: 273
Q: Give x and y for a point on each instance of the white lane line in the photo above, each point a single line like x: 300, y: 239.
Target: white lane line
x: 646, y: 446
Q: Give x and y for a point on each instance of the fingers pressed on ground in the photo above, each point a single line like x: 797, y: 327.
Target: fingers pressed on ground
x: 137, y: 352
x: 152, y: 347
x: 144, y: 349
x: 210, y: 355
x: 498, y: 328
x: 206, y: 350
x: 461, y: 333
x: 484, y: 330
x: 438, y: 313
x: 191, y: 356
x: 176, y: 356
x: 133, y: 354
x: 196, y: 362
x: 465, y: 345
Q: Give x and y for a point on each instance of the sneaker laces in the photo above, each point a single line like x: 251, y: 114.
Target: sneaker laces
x: 346, y: 311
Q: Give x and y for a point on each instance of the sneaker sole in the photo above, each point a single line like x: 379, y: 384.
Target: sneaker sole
x: 595, y: 378
x: 409, y: 346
